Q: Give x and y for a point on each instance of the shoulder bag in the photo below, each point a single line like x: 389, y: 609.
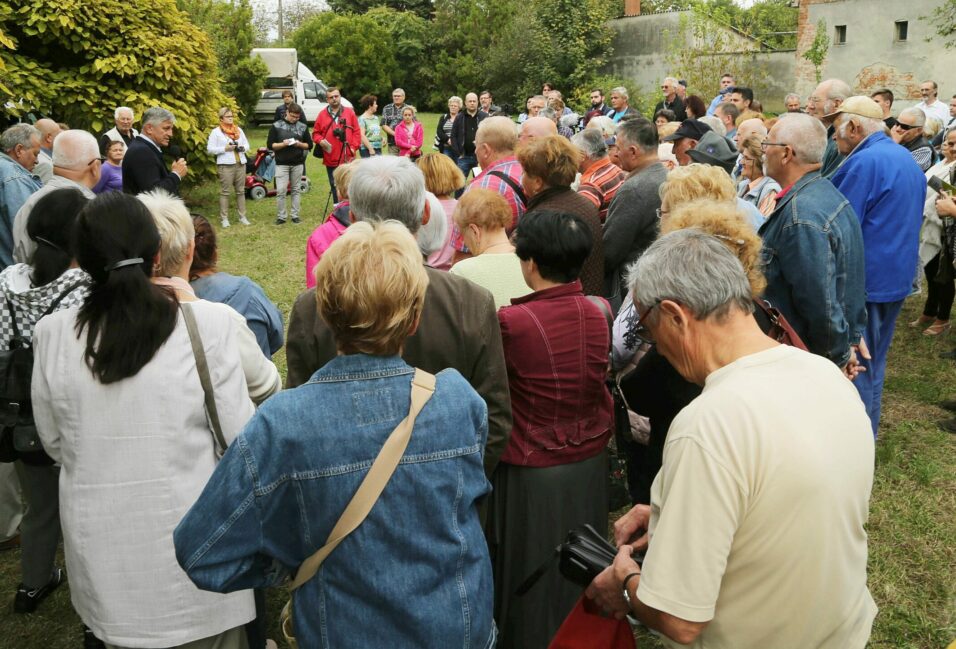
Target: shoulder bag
x: 199, y: 353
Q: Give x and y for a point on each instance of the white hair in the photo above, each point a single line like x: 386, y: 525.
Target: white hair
x: 621, y: 90
x: 671, y: 80
x: 386, y: 188
x: 121, y: 109
x: 805, y: 134
x: 18, y: 135
x: 604, y: 124
x: 74, y: 149
x: 433, y: 236
x: 591, y: 142
x: 868, y: 125
x: 919, y: 117
x: 175, y: 226
x: 792, y: 95
x: 157, y: 115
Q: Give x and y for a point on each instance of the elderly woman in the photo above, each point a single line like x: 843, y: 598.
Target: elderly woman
x: 445, y: 122
x: 553, y: 473
x: 664, y: 116
x: 238, y: 291
x: 371, y: 130
x: 935, y: 255
x: 49, y: 283
x: 482, y: 217
x: 550, y: 164
x: 333, y: 227
x: 424, y: 526
x: 111, y: 171
x: 409, y: 135
x: 442, y: 178
x: 756, y: 188
x: 228, y: 143
x: 119, y: 402
x: 697, y: 180
x: 171, y: 270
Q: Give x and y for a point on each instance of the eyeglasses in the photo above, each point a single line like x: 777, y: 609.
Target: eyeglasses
x: 641, y: 330
x: 904, y: 127
x: 101, y: 159
x: 227, y: 116
x: 765, y: 144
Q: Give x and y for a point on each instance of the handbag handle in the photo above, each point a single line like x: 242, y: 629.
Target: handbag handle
x: 423, y: 387
x: 202, y: 367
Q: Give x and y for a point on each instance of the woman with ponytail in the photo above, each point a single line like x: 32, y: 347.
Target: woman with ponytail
x: 119, y: 403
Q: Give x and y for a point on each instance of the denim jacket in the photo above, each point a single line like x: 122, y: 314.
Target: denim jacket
x: 16, y: 186
x: 416, y: 573
x: 813, y: 255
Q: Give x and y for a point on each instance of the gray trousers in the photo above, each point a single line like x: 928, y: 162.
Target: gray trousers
x: 287, y: 179
x: 231, y: 639
x: 11, y: 505
x: 40, y: 528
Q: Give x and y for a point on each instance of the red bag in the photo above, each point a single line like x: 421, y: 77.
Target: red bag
x: 586, y: 628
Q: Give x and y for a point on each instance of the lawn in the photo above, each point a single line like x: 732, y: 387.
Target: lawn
x: 913, y: 508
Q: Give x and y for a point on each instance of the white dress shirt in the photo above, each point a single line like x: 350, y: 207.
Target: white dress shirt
x: 216, y: 145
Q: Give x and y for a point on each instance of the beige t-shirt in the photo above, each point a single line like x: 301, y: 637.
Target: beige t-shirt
x: 499, y: 273
x: 758, y: 513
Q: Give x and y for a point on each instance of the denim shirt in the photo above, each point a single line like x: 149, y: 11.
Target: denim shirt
x: 813, y: 255
x: 16, y: 186
x: 416, y: 573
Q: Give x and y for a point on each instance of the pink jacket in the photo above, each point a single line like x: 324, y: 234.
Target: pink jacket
x: 406, y: 143
x: 320, y: 240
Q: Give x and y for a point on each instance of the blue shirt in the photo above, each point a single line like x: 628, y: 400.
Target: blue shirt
x: 16, y: 186
x: 246, y: 297
x: 886, y: 189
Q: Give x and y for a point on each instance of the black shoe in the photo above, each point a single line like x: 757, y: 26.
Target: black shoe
x: 949, y: 425
x: 280, y: 221
x: 296, y: 220
x: 27, y: 601
x: 951, y: 355
x: 90, y: 641
x: 949, y: 404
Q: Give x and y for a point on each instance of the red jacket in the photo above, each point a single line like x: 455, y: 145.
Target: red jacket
x: 556, y: 345
x: 323, y: 130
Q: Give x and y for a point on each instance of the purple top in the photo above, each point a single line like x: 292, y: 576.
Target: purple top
x: 111, y: 179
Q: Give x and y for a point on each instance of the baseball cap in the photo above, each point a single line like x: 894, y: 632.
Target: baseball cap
x: 859, y: 105
x: 688, y: 128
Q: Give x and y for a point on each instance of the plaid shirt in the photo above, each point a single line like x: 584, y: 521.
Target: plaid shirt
x: 512, y: 168
x: 392, y: 117
x: 600, y: 182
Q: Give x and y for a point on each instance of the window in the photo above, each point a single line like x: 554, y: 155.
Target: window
x: 839, y: 36
x: 902, y: 30
x: 314, y: 90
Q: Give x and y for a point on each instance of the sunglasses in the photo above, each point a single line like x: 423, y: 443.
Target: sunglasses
x: 905, y: 127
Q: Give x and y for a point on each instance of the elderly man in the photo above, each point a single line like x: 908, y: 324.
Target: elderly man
x: 48, y: 132
x: 122, y: 132
x: 600, y: 178
x: 748, y: 128
x: 619, y: 99
x: 542, y: 125
x: 755, y: 534
x: 886, y: 189
x: 632, y: 217
x: 458, y: 328
x: 76, y: 165
x: 463, y: 132
x: 672, y: 100
x: 726, y: 83
x: 392, y: 117
x: 824, y: 101
x: 487, y: 102
x: 813, y: 246
x: 495, y: 144
x: 19, y: 149
x: 536, y: 104
x: 908, y: 132
x: 792, y: 103
x: 143, y: 166
x: 884, y: 99
x: 931, y: 105
x: 685, y: 138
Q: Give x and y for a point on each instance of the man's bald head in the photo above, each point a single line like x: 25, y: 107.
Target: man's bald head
x: 537, y: 127
x: 749, y: 127
x: 48, y: 132
x: 76, y: 155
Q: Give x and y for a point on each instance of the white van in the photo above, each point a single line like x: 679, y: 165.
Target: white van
x: 287, y: 73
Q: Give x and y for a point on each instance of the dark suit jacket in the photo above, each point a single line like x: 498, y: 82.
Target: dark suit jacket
x: 458, y: 143
x: 144, y: 169
x: 459, y: 329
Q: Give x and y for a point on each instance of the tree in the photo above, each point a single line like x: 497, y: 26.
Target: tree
x: 294, y: 14
x: 76, y: 60
x: 817, y: 53
x: 410, y: 36
x: 422, y: 8
x: 349, y: 51
x: 944, y: 21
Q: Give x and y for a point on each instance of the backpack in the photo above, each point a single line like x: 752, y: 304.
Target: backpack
x: 18, y: 431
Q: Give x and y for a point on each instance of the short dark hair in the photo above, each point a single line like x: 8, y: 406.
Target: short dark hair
x: 367, y: 100
x: 727, y: 75
x: 558, y: 242
x: 597, y: 90
x: 331, y: 88
x: 696, y: 104
x: 294, y: 108
x: 667, y: 114
x: 729, y: 109
x: 640, y: 131
x: 485, y: 92
x: 885, y: 93
x: 287, y: 93
x: 50, y: 226
x: 746, y: 93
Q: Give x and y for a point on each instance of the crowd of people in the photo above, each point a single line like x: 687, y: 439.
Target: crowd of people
x: 707, y: 292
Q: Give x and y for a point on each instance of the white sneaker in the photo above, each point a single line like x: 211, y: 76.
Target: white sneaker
x: 244, y: 220
x: 225, y: 223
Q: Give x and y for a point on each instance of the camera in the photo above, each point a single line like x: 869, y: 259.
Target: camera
x: 339, y: 131
x: 239, y: 148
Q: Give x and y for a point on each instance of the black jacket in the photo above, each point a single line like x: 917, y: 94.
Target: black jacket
x: 283, y: 130
x: 458, y: 131
x: 677, y: 106
x: 144, y: 169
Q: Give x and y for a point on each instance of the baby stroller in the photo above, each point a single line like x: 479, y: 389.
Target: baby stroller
x: 261, y: 170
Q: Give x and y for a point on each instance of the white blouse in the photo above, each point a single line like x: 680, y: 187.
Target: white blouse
x: 135, y: 456
x: 216, y: 145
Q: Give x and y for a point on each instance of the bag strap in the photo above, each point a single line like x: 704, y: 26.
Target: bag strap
x: 423, y: 387
x: 202, y: 367
x: 511, y: 183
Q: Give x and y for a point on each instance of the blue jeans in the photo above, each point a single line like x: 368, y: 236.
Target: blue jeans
x: 466, y: 163
x: 880, y: 323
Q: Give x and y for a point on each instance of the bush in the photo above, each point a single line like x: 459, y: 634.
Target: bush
x: 580, y: 97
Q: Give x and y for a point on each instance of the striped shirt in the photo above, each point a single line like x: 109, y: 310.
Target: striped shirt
x: 599, y: 184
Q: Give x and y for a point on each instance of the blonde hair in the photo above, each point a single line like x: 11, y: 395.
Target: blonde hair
x: 342, y: 176
x: 724, y: 221
x: 603, y: 123
x: 485, y: 208
x: 696, y: 181
x: 748, y: 114
x: 553, y: 159
x: 370, y: 288
x: 752, y: 146
x: 667, y: 129
x: 499, y: 133
x: 442, y: 176
x: 175, y: 225
x: 408, y: 107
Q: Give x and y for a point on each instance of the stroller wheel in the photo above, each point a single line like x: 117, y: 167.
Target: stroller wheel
x: 257, y: 193
x: 305, y: 185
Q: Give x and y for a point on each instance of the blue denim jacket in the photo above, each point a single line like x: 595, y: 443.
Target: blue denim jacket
x: 416, y: 573
x: 813, y: 255
x: 16, y: 186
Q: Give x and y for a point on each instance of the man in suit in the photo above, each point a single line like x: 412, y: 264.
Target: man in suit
x: 459, y: 327
x: 143, y: 165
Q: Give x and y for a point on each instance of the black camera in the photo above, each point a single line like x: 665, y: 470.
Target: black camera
x: 239, y: 148
x: 339, y: 131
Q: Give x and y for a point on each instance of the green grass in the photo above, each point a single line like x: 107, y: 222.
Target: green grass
x: 913, y: 507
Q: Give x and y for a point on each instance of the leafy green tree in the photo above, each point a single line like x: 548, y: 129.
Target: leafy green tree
x: 422, y: 8
x: 411, y: 38
x: 78, y: 59
x: 817, y: 53
x: 353, y: 52
x: 944, y: 21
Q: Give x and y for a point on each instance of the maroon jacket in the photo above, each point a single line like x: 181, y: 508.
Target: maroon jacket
x: 556, y: 350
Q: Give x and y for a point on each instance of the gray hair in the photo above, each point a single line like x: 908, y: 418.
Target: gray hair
x: 121, y: 109
x: 591, y: 142
x: 18, y: 134
x: 175, y: 225
x: 869, y: 125
x: 838, y: 89
x: 386, y: 188
x: 547, y: 112
x: 792, y: 95
x: 433, y: 236
x: 621, y: 90
x: 694, y: 269
x: 805, y: 134
x: 157, y: 115
x: 74, y: 149
x: 714, y: 123
x: 604, y: 124
x: 933, y: 127
x: 919, y: 117
x: 457, y: 100
x: 671, y: 80
x: 640, y: 132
